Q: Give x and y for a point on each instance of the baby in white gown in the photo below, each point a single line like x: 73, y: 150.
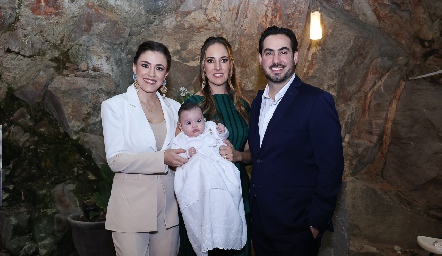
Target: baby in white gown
x: 208, y: 187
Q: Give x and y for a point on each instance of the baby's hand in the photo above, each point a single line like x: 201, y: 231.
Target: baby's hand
x: 191, y: 151
x: 220, y: 128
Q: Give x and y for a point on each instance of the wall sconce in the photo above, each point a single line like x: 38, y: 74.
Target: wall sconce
x: 315, y: 25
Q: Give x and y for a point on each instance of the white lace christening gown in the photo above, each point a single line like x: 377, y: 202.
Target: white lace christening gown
x: 208, y: 190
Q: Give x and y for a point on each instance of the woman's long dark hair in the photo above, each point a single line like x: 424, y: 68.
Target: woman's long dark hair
x: 233, y: 89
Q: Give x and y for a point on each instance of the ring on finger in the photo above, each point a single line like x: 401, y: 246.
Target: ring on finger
x: 225, y: 156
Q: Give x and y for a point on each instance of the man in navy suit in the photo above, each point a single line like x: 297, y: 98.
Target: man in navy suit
x: 296, y: 145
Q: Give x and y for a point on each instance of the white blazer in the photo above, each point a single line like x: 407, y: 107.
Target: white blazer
x: 133, y: 203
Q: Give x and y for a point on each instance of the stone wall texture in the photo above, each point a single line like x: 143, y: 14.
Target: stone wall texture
x: 60, y: 59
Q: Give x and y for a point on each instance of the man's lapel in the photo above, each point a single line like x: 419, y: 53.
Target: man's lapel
x: 283, y: 106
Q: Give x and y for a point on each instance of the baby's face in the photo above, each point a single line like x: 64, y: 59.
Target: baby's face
x: 192, y: 122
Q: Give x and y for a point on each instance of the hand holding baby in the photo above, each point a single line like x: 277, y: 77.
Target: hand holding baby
x: 220, y: 128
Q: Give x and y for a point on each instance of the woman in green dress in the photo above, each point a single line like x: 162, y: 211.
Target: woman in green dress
x: 222, y: 101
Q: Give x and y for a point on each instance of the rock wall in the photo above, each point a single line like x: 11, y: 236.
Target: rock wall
x: 60, y: 59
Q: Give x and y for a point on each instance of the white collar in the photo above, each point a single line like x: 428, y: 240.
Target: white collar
x: 281, y: 92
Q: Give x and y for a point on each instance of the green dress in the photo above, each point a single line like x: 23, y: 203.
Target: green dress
x: 238, y: 130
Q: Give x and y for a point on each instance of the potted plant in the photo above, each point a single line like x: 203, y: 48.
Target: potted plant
x: 88, y: 232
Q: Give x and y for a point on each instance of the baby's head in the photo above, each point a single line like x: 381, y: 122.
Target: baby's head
x: 191, y: 120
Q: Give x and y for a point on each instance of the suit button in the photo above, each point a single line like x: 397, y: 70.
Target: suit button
x: 253, y: 185
x: 259, y: 161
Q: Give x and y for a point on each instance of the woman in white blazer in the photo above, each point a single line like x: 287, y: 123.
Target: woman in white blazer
x: 138, y: 127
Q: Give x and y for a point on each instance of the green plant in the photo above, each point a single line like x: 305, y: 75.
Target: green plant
x: 95, y: 209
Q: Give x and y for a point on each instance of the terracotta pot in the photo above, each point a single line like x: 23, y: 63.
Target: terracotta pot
x: 90, y: 238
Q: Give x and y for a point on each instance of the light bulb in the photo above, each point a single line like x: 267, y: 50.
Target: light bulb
x: 315, y: 25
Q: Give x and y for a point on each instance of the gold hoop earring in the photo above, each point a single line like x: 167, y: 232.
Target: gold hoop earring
x: 204, y: 80
x: 163, y: 89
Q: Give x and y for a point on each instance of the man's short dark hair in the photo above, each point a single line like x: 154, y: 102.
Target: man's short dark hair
x: 274, y: 30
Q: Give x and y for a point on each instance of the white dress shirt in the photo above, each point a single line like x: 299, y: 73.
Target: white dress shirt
x: 268, y: 107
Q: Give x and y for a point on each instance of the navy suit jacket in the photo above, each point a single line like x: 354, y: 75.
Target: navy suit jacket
x: 297, y: 172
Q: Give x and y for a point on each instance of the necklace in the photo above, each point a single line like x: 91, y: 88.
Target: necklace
x: 147, y: 108
x: 144, y: 104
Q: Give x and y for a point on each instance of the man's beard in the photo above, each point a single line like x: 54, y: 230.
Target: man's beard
x: 278, y: 78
